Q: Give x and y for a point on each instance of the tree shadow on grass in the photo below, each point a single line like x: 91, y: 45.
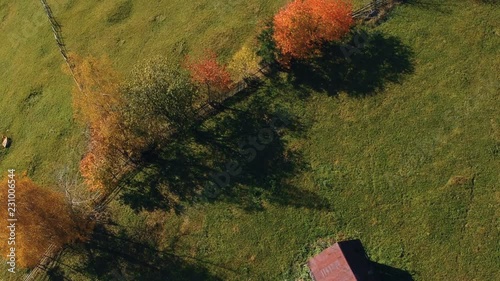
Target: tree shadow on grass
x: 362, y: 65
x: 255, y: 163
x: 239, y: 156
x: 115, y: 256
x: 167, y: 177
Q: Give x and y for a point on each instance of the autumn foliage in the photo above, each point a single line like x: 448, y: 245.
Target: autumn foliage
x: 209, y: 72
x: 160, y: 98
x: 302, y: 26
x: 244, y: 63
x: 43, y: 218
x: 97, y: 105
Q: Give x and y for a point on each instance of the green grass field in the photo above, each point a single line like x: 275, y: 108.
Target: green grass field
x: 36, y: 100
x: 408, y: 163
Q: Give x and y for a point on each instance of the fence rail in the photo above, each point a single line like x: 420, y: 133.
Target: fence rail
x: 370, y: 9
x: 58, y: 36
x: 39, y: 271
x: 202, y: 113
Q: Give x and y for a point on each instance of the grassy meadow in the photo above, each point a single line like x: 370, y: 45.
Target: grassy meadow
x: 399, y: 147
x: 36, y: 100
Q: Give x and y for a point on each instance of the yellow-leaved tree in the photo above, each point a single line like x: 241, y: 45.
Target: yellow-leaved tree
x: 244, y: 63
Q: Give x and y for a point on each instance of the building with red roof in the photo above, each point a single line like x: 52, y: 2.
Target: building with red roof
x: 344, y: 261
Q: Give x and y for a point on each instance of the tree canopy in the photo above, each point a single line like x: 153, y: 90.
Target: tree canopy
x: 302, y: 26
x: 97, y: 105
x: 160, y: 97
x: 125, y: 118
x: 244, y: 63
x: 208, y: 72
x: 43, y: 218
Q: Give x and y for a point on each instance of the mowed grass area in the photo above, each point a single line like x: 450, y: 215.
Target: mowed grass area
x: 130, y: 30
x: 411, y: 168
x: 35, y: 102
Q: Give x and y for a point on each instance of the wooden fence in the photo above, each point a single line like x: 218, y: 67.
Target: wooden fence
x: 49, y: 257
x: 202, y: 113
x: 58, y: 36
x: 370, y: 10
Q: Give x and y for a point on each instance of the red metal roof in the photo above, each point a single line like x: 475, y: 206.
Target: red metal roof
x: 344, y: 261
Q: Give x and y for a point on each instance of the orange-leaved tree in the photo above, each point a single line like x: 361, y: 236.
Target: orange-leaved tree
x: 208, y: 72
x: 43, y: 219
x: 98, y: 104
x: 302, y: 26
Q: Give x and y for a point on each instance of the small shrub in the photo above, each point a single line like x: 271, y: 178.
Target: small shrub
x: 244, y: 63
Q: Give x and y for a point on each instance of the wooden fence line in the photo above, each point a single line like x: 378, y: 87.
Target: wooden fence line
x: 41, y: 268
x: 56, y: 30
x: 201, y: 113
x: 370, y: 9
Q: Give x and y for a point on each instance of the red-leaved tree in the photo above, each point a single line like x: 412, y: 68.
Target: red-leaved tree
x: 210, y: 73
x: 302, y: 26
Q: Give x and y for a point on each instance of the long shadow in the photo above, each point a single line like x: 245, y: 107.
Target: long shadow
x: 362, y: 65
x: 112, y: 256
x: 168, y: 177
x: 238, y: 156
x: 254, y: 162
x: 388, y: 273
